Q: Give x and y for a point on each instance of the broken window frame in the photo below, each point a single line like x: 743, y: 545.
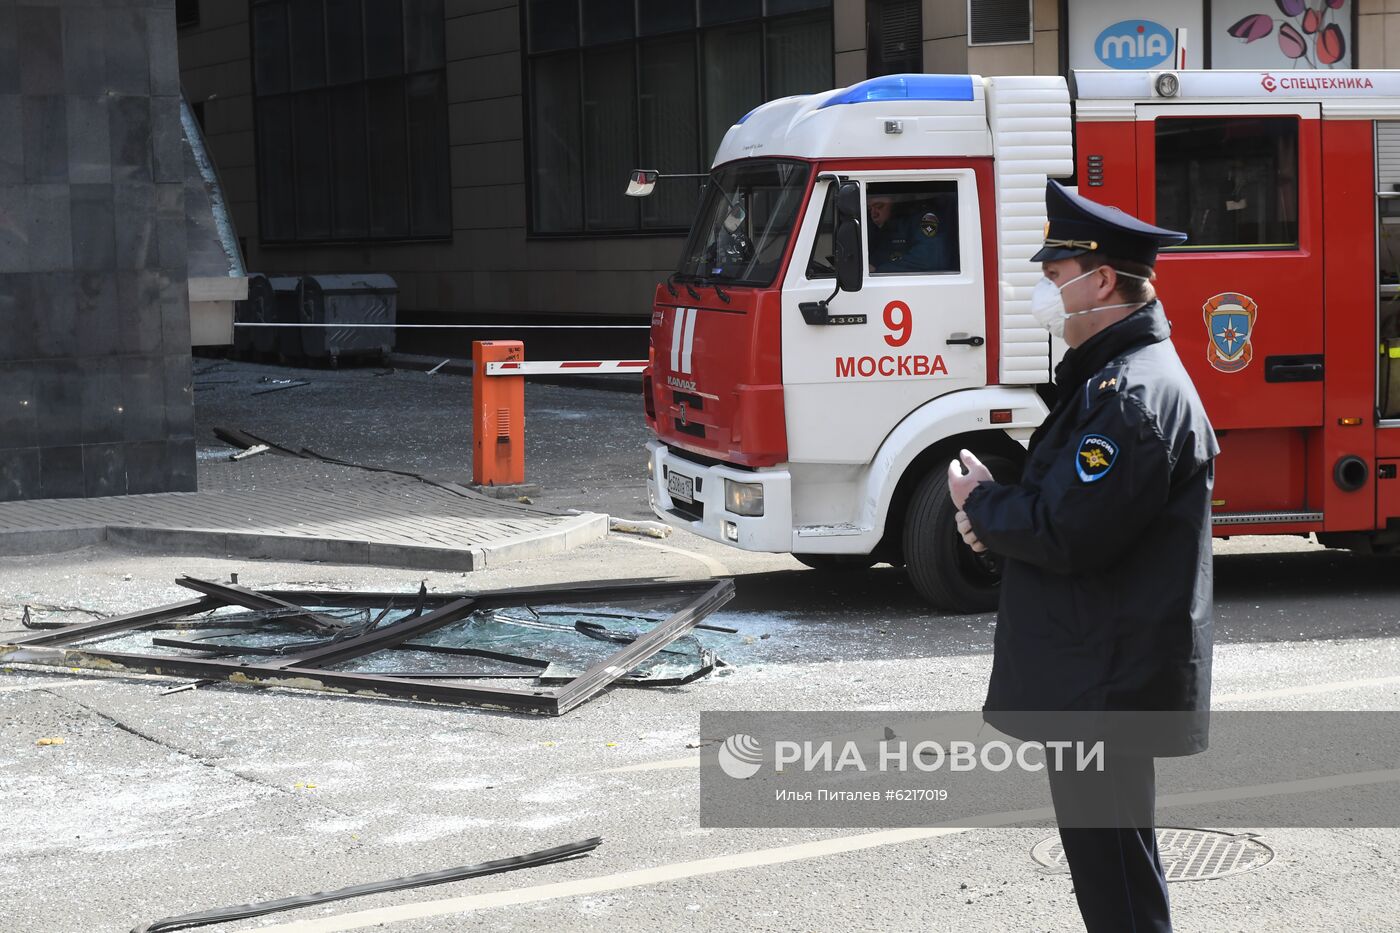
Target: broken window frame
x: 305, y: 670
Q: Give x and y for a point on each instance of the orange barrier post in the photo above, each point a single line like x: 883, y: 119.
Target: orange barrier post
x: 498, y: 416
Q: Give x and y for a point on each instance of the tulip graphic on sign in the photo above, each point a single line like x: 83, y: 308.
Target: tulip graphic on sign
x: 1305, y: 34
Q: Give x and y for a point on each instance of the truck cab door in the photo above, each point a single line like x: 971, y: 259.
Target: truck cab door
x: 1245, y: 292
x: 916, y: 330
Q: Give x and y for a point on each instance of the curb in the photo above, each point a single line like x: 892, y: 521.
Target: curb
x: 580, y: 529
x: 570, y: 533
x: 30, y: 541
x: 459, y: 367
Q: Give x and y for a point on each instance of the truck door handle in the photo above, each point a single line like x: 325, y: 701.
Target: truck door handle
x: 964, y: 340
x: 1306, y: 368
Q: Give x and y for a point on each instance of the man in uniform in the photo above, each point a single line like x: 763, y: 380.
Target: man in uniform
x: 1106, y: 548
x: 913, y: 242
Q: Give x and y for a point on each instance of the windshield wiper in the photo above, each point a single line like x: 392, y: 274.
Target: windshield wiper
x: 720, y: 292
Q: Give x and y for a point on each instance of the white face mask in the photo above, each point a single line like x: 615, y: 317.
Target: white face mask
x: 1048, y: 305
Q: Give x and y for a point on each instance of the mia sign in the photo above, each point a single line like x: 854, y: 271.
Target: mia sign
x: 1134, y: 44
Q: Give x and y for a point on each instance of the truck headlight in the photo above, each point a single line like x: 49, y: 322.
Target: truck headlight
x: 743, y: 498
x: 651, y: 468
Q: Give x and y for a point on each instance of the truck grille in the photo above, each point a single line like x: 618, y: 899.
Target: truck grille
x: 685, y: 401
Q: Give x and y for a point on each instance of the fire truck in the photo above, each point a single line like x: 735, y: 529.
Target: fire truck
x: 852, y: 305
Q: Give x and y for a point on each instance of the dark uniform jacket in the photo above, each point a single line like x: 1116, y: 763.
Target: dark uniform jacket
x: 1106, y: 585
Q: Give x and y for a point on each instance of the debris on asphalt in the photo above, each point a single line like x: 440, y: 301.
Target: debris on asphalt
x: 50, y: 740
x: 250, y: 452
x: 496, y: 866
x: 643, y: 528
x: 433, y: 371
x: 244, y: 440
x: 277, y: 385
x: 29, y: 621
x: 574, y: 642
x: 195, y: 685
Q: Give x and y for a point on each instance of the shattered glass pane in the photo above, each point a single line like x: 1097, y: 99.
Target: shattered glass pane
x: 267, y: 633
x: 552, y: 643
x: 562, y: 641
x: 522, y: 650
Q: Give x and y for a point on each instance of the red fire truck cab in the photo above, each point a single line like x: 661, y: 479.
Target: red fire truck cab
x: 852, y: 305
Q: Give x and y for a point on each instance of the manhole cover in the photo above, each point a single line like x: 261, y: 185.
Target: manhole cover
x: 1187, y: 854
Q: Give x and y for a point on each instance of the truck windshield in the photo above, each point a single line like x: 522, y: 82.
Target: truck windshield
x: 747, y: 213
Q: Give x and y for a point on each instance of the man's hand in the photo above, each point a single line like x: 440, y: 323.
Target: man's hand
x: 968, y: 535
x: 960, y: 485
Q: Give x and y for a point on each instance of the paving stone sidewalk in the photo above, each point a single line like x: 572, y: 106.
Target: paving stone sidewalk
x: 288, y: 509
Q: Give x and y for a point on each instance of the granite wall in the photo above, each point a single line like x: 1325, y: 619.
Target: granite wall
x: 95, y: 385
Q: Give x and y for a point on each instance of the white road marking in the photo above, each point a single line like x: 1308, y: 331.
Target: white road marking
x: 693, y: 761
x: 715, y: 567
x: 690, y: 761
x: 42, y: 685
x: 1306, y: 689
x: 779, y: 855
x: 738, y: 861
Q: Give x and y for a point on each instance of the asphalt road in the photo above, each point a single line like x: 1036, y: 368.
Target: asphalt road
x: 157, y: 805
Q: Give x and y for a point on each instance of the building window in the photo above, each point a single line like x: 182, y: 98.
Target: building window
x: 999, y: 22
x: 351, y: 103
x: 621, y: 84
x: 186, y: 13
x: 895, y: 43
x: 1231, y: 182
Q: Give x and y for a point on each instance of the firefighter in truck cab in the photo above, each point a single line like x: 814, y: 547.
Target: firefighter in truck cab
x: 1106, y: 543
x: 907, y: 241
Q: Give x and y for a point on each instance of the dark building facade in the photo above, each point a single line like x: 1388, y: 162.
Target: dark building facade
x: 478, y: 150
x: 95, y: 393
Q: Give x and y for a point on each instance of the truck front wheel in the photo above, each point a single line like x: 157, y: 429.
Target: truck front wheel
x: 943, y: 569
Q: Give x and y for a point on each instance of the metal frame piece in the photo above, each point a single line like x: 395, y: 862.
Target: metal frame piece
x: 249, y: 599
x: 133, y: 620
x: 245, y: 911
x: 307, y: 669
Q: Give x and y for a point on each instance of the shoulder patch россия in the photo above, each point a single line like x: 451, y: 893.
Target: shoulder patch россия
x: 1095, y: 457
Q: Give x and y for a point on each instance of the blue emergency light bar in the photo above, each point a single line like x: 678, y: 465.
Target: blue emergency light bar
x: 906, y: 87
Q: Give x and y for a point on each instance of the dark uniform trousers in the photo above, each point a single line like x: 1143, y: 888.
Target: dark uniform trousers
x: 1118, y: 877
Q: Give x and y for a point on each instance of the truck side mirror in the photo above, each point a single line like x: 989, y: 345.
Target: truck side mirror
x: 642, y: 182
x: 850, y: 267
